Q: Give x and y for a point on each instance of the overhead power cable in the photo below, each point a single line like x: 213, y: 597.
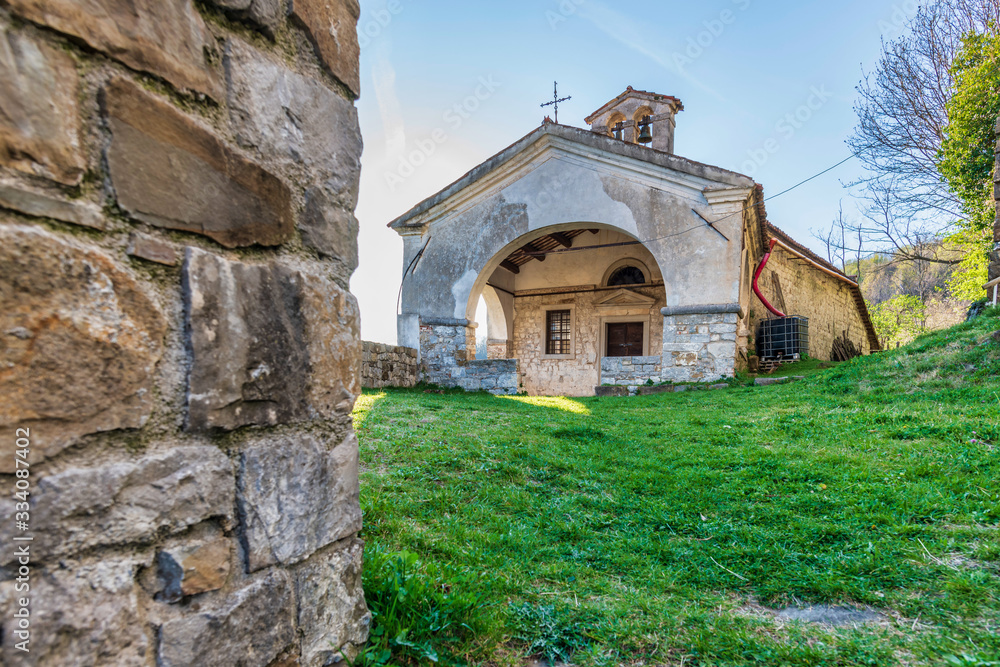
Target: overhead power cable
x: 690, y: 229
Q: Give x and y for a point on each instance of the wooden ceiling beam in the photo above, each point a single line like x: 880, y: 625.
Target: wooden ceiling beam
x: 562, y: 239
x: 510, y: 266
x: 532, y: 248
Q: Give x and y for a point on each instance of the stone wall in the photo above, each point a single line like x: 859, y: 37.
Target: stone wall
x: 179, y: 347
x: 448, y: 360
x: 796, y: 288
x: 442, y: 350
x: 579, y: 374
x: 698, y: 346
x: 388, y: 366
x: 631, y: 371
x: 499, y: 349
x: 496, y: 376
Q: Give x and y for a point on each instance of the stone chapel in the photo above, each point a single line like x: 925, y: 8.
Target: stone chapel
x: 604, y: 258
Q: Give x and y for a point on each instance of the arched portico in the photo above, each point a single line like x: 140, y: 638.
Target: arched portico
x: 510, y: 232
x: 562, y: 272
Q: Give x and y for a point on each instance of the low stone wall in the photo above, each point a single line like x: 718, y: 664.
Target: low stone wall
x: 630, y: 371
x: 497, y: 376
x: 446, y: 361
x: 388, y: 366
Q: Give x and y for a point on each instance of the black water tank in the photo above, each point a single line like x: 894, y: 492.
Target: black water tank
x: 783, y: 338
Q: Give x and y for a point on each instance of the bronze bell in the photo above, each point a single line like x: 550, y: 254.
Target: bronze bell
x: 645, y: 135
x: 619, y: 128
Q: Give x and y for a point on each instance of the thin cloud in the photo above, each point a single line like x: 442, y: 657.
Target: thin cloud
x: 384, y: 79
x: 628, y: 32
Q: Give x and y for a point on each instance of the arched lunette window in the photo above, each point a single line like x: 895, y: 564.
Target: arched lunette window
x: 627, y: 275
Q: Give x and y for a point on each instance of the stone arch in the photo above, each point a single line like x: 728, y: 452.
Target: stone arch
x: 613, y: 119
x: 644, y: 110
x: 480, y: 284
x: 499, y: 321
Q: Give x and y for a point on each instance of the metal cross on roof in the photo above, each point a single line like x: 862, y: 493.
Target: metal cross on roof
x: 555, y: 99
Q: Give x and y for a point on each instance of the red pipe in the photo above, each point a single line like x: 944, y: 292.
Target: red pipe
x: 760, y: 268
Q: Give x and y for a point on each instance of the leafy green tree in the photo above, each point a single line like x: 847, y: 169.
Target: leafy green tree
x: 967, y: 155
x: 971, y: 273
x: 898, y: 320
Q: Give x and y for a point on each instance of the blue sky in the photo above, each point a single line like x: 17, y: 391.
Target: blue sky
x: 768, y: 90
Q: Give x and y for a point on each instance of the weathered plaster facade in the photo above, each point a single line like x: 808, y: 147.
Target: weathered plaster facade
x: 179, y: 350
x: 546, y: 224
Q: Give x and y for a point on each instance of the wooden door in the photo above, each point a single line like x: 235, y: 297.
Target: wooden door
x: 625, y: 339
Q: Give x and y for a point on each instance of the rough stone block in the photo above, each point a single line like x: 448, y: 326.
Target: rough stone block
x: 661, y: 389
x: 295, y: 497
x: 193, y: 568
x: 39, y: 115
x: 264, y: 13
x: 470, y: 384
x: 676, y: 374
x: 330, y: 229
x: 82, y: 613
x: 79, y: 341
x: 611, y: 391
x: 251, y: 628
x: 170, y: 171
x: 332, y: 27
x: 724, y: 349
x: 295, y: 119
x: 152, y: 249
x: 295, y: 360
x: 17, y: 197
x: 127, y: 501
x: 164, y: 37
x: 684, y: 358
x: 332, y: 611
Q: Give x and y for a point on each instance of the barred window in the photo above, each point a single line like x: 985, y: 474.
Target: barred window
x: 557, y: 332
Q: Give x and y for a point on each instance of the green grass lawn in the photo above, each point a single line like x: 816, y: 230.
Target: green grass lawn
x: 669, y: 529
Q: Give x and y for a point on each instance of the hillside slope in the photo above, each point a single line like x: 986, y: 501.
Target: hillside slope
x: 691, y: 528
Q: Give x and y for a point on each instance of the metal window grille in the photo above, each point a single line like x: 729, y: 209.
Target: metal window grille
x: 627, y: 275
x: 557, y: 332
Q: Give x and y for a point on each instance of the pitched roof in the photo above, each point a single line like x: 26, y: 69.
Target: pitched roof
x: 581, y: 137
x: 632, y: 92
x: 771, y: 231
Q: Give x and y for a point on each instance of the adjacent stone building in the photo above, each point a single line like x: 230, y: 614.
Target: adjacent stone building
x: 179, y: 351
x: 604, y: 261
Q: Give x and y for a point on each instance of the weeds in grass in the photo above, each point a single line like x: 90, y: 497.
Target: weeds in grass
x: 419, y: 610
x: 553, y: 633
x: 966, y: 660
